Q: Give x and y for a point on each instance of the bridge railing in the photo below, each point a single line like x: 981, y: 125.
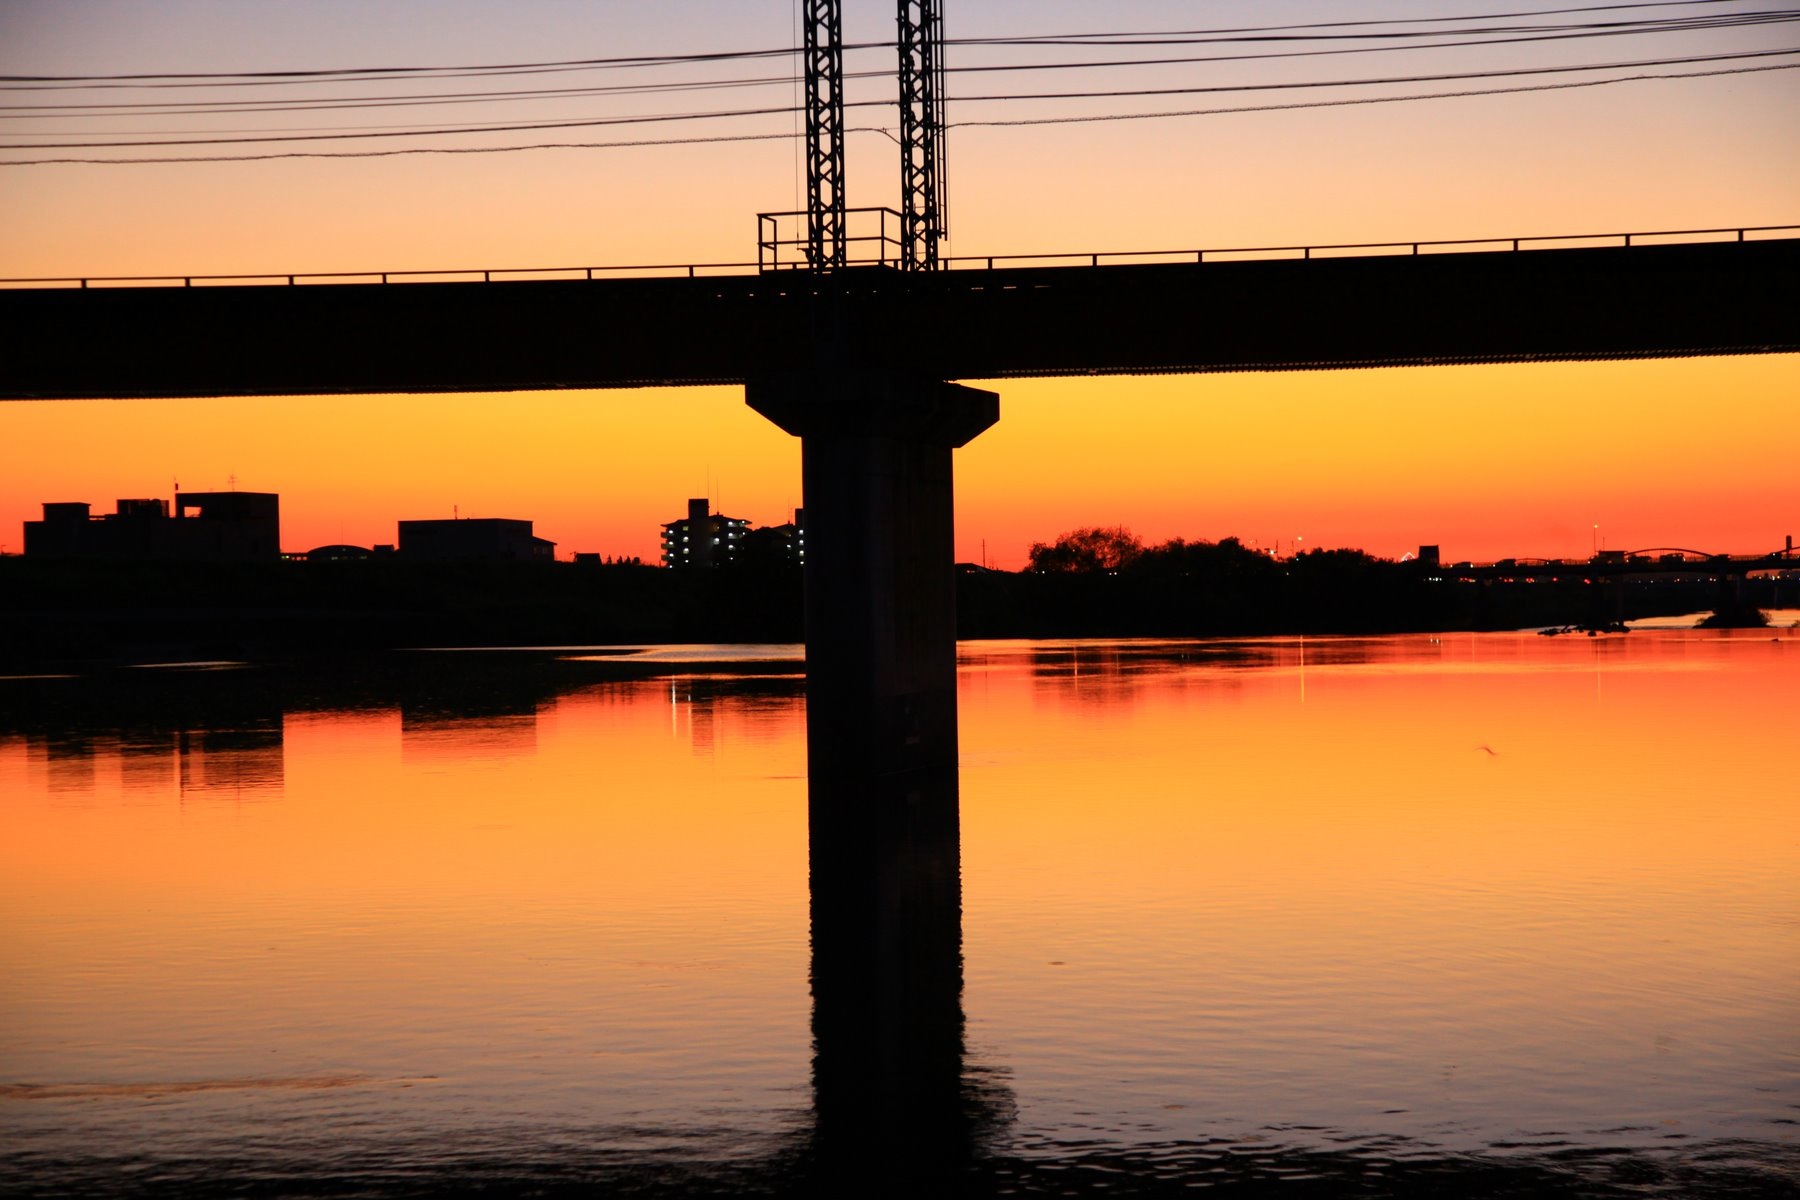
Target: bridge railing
x: 879, y: 246
x: 1372, y: 249
x: 444, y: 275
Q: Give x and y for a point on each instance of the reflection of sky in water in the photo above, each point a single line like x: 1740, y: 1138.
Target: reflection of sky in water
x: 1383, y: 898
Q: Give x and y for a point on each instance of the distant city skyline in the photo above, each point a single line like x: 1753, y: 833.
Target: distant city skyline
x: 562, y: 550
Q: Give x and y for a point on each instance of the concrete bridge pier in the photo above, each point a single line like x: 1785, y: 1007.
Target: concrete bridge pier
x: 882, y: 761
x: 1608, y: 602
x: 880, y: 578
x: 1730, y: 592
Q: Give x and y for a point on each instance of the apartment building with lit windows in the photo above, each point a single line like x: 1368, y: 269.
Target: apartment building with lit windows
x: 703, y: 538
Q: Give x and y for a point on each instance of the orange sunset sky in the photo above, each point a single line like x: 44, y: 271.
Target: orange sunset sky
x: 1486, y: 461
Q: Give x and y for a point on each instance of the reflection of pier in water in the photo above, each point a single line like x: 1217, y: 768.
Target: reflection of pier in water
x: 891, y: 1084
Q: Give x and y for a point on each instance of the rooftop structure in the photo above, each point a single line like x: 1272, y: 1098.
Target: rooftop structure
x: 776, y: 543
x: 198, y: 527
x: 475, y: 539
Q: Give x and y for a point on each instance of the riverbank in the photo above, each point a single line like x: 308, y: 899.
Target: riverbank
x: 97, y: 612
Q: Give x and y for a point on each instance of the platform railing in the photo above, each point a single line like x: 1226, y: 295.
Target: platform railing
x: 782, y: 250
x: 872, y: 240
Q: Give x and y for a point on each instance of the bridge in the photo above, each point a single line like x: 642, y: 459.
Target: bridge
x: 854, y: 359
x: 1659, y: 560
x: 1612, y: 569
x: 1499, y: 300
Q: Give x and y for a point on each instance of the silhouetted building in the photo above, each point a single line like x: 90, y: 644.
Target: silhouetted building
x: 338, y: 553
x: 1429, y: 556
x: 477, y: 539
x: 771, y: 544
x: 703, y: 538
x: 203, y: 527
x: 794, y: 535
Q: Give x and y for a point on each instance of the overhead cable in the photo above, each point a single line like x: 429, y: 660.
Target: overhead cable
x: 322, y: 104
x: 1597, y: 28
x: 191, y: 79
x: 786, y: 110
x: 1372, y: 21
x: 1208, y: 112
x: 993, y: 123
x: 1448, y: 77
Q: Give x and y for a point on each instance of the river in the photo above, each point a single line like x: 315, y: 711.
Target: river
x: 1470, y: 914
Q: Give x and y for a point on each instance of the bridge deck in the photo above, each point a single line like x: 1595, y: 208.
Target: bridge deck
x: 1383, y: 310
x: 1716, y: 567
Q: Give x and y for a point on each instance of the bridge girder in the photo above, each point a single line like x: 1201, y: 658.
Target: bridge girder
x: 1532, y: 306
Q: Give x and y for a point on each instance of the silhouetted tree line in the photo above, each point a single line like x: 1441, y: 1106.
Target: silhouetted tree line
x: 1105, y: 582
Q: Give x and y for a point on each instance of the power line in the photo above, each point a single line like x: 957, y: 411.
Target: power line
x: 1380, y: 81
x: 689, y: 141
x: 228, y: 107
x: 179, y: 108
x: 1208, y: 112
x: 787, y: 110
x: 233, y: 107
x: 1396, y: 40
x: 529, y: 127
x: 207, y: 108
x: 1538, y: 12
x: 334, y: 73
x: 1573, y: 34
x: 190, y: 79
x: 995, y: 123
x: 1598, y: 28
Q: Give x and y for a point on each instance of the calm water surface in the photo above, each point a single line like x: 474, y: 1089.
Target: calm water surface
x: 1469, y: 915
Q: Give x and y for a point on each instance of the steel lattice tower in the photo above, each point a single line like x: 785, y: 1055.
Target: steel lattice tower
x: 923, y: 206
x: 823, y: 49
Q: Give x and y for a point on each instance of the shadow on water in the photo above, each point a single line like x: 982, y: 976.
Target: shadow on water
x: 900, y: 1105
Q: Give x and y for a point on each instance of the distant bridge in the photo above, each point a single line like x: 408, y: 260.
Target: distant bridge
x: 1500, y: 300
x: 1617, y: 565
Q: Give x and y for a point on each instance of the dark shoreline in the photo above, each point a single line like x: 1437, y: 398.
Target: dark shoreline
x: 53, y: 614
